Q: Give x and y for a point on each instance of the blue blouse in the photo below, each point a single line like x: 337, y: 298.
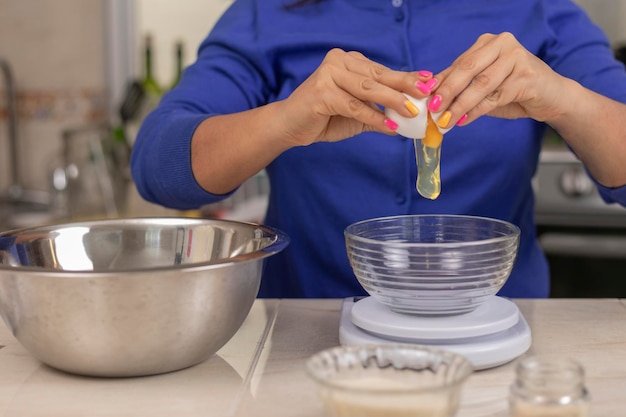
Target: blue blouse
x: 259, y: 52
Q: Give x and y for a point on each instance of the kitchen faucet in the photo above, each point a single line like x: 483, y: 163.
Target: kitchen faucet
x: 16, y: 193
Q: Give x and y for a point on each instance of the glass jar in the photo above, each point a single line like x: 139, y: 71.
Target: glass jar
x: 549, y: 387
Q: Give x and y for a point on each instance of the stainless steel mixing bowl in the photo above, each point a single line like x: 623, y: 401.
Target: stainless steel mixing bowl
x: 131, y: 297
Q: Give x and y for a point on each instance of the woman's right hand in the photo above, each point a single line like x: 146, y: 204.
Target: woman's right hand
x: 339, y: 100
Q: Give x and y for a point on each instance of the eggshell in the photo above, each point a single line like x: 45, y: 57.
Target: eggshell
x: 414, y: 127
x: 436, y: 117
x: 411, y: 127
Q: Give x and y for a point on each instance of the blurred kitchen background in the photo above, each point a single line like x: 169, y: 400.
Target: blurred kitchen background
x: 77, y: 76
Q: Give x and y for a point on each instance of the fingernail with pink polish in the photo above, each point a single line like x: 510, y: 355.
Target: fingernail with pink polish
x: 426, y: 87
x: 461, y: 120
x: 425, y: 74
x: 434, y: 103
x: 423, y: 87
x: 391, y: 124
x: 431, y: 83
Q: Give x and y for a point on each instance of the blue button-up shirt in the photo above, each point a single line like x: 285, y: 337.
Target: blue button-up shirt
x: 260, y: 52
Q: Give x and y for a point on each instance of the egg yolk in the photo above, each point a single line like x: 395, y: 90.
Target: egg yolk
x: 427, y: 153
x: 433, y: 136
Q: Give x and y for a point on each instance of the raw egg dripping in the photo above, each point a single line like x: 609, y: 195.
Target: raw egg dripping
x: 427, y: 139
x: 427, y: 157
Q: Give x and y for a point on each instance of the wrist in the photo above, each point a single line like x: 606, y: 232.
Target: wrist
x: 570, y: 106
x: 286, y: 125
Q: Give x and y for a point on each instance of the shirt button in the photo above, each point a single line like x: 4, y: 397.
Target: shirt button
x: 396, y: 3
x: 400, y: 198
x: 399, y: 16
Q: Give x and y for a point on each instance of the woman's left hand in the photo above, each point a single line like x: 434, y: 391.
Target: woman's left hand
x: 497, y: 76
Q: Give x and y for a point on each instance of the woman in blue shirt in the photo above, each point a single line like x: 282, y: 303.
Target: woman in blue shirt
x: 299, y: 91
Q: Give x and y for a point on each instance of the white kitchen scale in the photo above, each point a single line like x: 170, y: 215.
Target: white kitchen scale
x: 491, y: 335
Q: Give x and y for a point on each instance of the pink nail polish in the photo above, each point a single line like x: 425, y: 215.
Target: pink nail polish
x: 431, y: 83
x: 434, y: 103
x: 391, y: 124
x: 462, y: 119
x: 425, y: 74
x: 423, y: 87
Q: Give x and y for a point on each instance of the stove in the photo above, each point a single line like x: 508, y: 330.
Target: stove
x: 566, y: 195
x: 584, y: 238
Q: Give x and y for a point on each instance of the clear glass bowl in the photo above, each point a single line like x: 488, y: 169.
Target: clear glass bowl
x: 432, y: 264
x: 389, y: 380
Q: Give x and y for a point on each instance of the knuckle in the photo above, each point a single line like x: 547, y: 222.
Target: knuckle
x: 378, y: 71
x: 335, y: 53
x: 355, y: 105
x: 354, y: 54
x: 494, y: 96
x: 481, y: 81
x: 466, y: 64
x: 507, y: 36
x: 367, y: 84
x: 486, y: 37
x: 526, y: 75
x: 319, y: 84
x: 518, y: 53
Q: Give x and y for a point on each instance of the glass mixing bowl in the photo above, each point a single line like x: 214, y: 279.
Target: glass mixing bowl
x: 432, y: 264
x: 389, y: 380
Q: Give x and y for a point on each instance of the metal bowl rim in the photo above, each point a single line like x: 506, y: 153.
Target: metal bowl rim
x: 281, y: 241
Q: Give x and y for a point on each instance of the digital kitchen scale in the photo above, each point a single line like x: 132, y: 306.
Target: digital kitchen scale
x: 493, y: 334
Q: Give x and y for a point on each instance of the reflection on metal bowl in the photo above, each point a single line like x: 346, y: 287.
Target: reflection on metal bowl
x: 129, y: 297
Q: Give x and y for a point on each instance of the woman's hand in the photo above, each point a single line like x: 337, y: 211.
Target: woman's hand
x: 339, y: 99
x: 497, y: 76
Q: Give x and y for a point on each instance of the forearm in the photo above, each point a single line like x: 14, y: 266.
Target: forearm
x: 595, y: 127
x: 228, y: 149
x: 333, y: 104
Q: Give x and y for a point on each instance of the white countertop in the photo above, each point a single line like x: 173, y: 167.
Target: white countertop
x: 260, y: 372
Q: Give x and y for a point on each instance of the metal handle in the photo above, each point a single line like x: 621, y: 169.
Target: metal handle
x: 591, y: 246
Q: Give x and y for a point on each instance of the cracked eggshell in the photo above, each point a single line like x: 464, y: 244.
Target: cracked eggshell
x: 411, y: 127
x: 415, y: 127
x: 435, y: 117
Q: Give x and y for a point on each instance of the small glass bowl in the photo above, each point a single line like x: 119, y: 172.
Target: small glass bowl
x: 432, y: 264
x: 390, y: 380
